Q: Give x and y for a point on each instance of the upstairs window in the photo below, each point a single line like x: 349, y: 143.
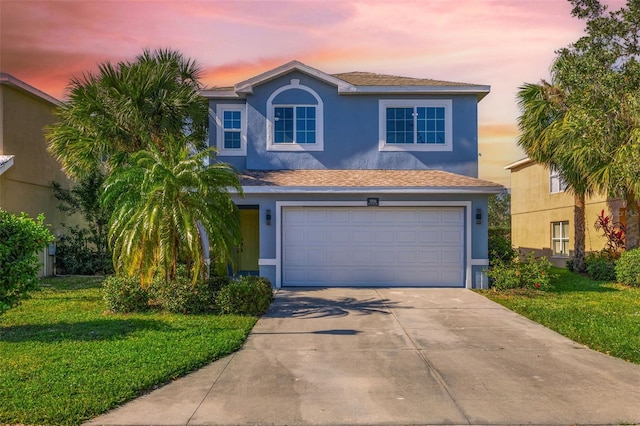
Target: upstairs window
x: 231, y: 123
x: 294, y: 124
x: 295, y: 115
x: 414, y: 125
x: 231, y: 138
x: 556, y: 183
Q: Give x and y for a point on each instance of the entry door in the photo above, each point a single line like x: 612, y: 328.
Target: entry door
x: 249, y: 250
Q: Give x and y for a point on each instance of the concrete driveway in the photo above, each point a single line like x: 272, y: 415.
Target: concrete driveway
x: 396, y: 356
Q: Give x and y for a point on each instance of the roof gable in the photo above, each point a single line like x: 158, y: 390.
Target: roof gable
x: 354, y: 83
x: 246, y: 87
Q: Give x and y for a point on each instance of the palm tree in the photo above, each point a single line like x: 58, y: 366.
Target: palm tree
x: 144, y: 125
x: 163, y: 200
x: 604, y: 125
x: 546, y: 137
x: 127, y: 107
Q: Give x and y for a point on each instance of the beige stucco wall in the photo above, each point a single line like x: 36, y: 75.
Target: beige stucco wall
x: 26, y: 186
x: 534, y: 208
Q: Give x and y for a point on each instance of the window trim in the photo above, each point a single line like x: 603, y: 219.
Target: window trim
x: 319, y: 144
x: 219, y: 119
x: 564, y: 236
x: 555, y: 175
x: 295, y: 107
x: 383, y: 104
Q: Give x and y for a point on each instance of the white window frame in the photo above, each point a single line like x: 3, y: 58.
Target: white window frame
x: 295, y: 122
x: 219, y: 119
x: 319, y: 144
x: 562, y: 238
x: 383, y: 104
x: 560, y: 184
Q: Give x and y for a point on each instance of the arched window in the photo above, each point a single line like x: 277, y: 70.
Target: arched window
x: 295, y: 119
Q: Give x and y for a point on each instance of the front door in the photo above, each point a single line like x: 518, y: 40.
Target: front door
x: 249, y: 250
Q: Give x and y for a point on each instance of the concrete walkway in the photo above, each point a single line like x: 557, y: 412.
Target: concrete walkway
x: 396, y: 356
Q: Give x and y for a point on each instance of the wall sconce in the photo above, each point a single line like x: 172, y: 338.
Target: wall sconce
x: 479, y: 216
x: 268, y: 217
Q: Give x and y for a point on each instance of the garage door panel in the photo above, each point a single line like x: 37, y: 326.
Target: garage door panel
x: 451, y: 236
x: 315, y: 236
x: 339, y: 216
x: 294, y: 235
x: 348, y: 246
x: 408, y: 236
x: 385, y: 237
x: 362, y: 235
x: 361, y: 216
x: 338, y: 236
x: 427, y: 236
x: 429, y: 216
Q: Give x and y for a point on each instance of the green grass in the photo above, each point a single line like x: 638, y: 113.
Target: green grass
x: 601, y: 315
x: 63, y: 359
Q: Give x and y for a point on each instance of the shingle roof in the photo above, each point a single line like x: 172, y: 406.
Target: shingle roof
x: 419, y: 179
x: 359, y: 78
x: 354, y: 83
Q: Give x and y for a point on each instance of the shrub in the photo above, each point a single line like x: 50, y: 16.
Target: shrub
x: 20, y: 239
x: 503, y: 275
x: 500, y: 248
x: 183, y: 296
x: 570, y: 263
x: 628, y: 268
x: 84, y: 250
x: 533, y: 273
x: 76, y: 254
x: 601, y: 266
x: 614, y: 232
x: 125, y: 294
x: 246, y: 296
x: 216, y: 283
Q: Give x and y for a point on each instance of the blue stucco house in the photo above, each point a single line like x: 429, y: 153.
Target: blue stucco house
x: 355, y: 179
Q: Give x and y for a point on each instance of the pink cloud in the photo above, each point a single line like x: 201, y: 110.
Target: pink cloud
x: 503, y: 43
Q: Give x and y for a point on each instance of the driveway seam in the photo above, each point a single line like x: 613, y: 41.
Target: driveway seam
x: 421, y: 354
x: 210, y: 389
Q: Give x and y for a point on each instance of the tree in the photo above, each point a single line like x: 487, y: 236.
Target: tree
x: 585, y: 122
x: 84, y: 250
x: 20, y: 239
x: 500, y: 210
x: 500, y: 247
x: 163, y: 201
x: 545, y: 140
x: 144, y: 125
x: 603, y: 119
x: 125, y: 108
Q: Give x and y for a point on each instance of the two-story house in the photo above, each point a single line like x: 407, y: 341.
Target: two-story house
x: 355, y: 179
x: 26, y: 167
x: 542, y: 213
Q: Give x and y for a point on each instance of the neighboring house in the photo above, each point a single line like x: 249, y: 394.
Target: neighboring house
x: 356, y: 179
x: 542, y: 213
x: 26, y: 168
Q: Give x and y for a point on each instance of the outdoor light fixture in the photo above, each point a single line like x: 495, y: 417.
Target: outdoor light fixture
x: 268, y: 217
x: 478, y: 216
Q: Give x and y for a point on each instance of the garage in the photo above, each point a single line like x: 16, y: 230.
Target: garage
x: 373, y: 246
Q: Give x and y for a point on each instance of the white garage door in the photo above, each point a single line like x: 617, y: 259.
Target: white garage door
x: 373, y: 246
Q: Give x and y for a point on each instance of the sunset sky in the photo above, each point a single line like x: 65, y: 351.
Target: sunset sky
x: 501, y: 43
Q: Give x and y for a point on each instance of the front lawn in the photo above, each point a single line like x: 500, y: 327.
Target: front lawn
x: 601, y: 315
x: 64, y: 360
